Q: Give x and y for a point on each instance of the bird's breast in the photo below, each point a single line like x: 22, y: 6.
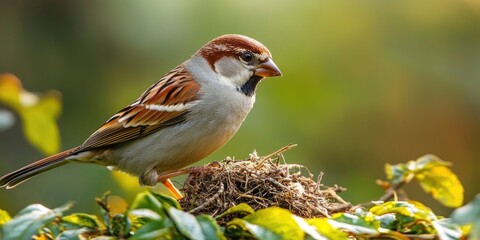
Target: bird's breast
x: 208, y: 126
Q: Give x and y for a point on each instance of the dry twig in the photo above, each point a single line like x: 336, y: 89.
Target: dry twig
x: 260, y: 182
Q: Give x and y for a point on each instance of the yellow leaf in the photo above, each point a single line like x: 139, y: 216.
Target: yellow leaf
x: 116, y: 205
x: 273, y: 221
x: 443, y: 184
x: 38, y: 113
x: 4, y: 217
x: 39, y: 123
x: 10, y: 88
x: 323, y: 227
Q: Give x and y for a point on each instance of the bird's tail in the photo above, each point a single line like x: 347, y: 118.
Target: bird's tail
x: 16, y: 177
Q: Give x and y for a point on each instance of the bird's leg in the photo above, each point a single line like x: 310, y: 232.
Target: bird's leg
x: 173, y: 190
x: 165, y: 179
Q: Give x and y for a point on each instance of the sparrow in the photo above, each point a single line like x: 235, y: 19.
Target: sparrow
x: 189, y: 113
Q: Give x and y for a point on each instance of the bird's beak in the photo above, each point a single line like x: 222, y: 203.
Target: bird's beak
x: 267, y: 69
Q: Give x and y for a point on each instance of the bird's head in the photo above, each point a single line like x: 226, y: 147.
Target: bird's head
x: 241, y: 60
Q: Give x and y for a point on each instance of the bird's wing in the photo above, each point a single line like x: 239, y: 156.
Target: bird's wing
x: 164, y: 104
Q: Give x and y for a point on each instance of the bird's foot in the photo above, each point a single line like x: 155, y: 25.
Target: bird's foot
x: 172, y: 189
x: 165, y: 179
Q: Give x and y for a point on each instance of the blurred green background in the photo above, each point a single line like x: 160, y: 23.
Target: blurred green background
x: 365, y: 83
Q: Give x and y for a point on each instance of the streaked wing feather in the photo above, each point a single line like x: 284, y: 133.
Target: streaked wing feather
x: 138, y: 120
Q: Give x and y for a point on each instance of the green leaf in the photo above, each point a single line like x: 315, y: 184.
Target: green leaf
x: 257, y: 231
x: 410, y: 217
x: 29, y: 221
x: 186, y: 224
x: 396, y: 173
x: 83, y: 220
x: 38, y: 113
x: 273, y: 221
x: 241, y: 208
x: 166, y: 200
x: 145, y: 213
x: 146, y: 200
x: 210, y: 228
x: 469, y: 214
x: 4, y: 217
x: 155, y: 230
x: 447, y: 230
x: 323, y: 227
x: 355, y: 224
x: 387, y: 221
x: 120, y: 225
x: 72, y: 234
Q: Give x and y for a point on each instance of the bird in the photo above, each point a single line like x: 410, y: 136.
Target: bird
x: 189, y: 113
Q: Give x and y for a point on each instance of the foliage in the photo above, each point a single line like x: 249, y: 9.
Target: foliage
x: 434, y: 176
x: 38, y: 113
x: 469, y: 214
x: 155, y: 216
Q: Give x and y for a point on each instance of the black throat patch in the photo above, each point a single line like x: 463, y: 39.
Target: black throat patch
x: 249, y: 87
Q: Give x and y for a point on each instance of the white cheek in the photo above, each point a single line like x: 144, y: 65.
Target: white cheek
x: 233, y: 71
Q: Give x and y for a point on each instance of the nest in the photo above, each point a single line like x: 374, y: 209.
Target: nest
x: 260, y: 182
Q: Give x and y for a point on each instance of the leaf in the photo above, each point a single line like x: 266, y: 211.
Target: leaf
x: 120, y: 225
x: 146, y: 200
x: 83, y: 220
x: 29, y: 221
x: 434, y: 177
x: 186, y: 224
x: 154, y: 230
x: 72, y: 234
x: 257, y: 231
x: 145, y: 213
x: 396, y: 173
x: 443, y: 185
x: 210, y: 228
x: 241, y: 208
x: 272, y: 222
x: 410, y: 217
x: 39, y: 122
x: 166, y: 200
x: 447, y: 230
x: 104, y: 238
x: 116, y: 204
x: 11, y: 88
x: 354, y: 224
x: 38, y: 113
x: 469, y: 214
x: 323, y: 227
x: 311, y: 231
x: 411, y: 209
x: 430, y: 161
x: 4, y: 217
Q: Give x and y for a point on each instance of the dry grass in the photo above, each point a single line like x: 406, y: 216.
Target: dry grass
x: 260, y: 182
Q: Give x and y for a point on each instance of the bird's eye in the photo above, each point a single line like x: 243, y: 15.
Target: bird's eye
x: 246, y: 57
